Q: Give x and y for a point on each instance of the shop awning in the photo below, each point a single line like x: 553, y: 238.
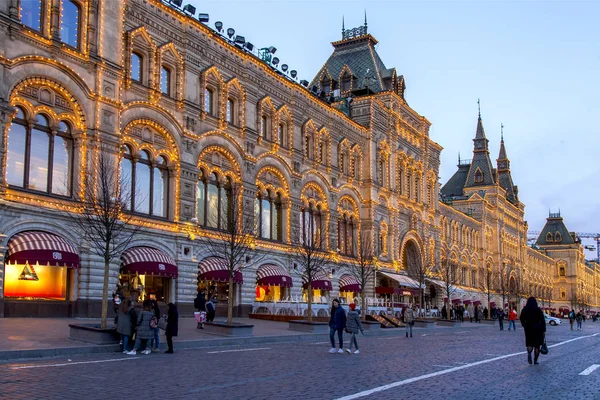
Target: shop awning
x: 492, y: 304
x: 456, y: 301
x: 403, y: 280
x: 407, y: 292
x: 216, y: 269
x: 320, y: 281
x: 148, y: 261
x: 467, y: 302
x: 43, y: 248
x: 271, y: 274
x: 349, y: 283
x: 455, y: 291
x: 476, y: 302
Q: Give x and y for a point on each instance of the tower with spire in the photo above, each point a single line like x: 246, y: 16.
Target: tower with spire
x: 503, y: 167
x: 481, y: 171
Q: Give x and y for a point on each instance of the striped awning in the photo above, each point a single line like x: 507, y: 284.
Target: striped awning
x: 271, y: 274
x: 148, y: 261
x: 43, y: 248
x: 349, y: 283
x: 216, y: 269
x: 320, y: 282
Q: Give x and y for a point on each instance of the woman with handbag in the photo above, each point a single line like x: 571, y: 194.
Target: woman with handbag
x: 172, y: 326
x: 144, y: 332
x: 532, y: 319
x: 409, y: 320
x: 337, y: 323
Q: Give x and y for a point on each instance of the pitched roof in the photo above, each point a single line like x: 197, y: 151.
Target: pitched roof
x: 359, y: 54
x: 504, y: 176
x: 454, y: 186
x: 481, y: 171
x: 555, y: 232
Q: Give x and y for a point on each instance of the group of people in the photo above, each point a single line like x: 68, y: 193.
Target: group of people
x: 460, y: 312
x: 579, y: 318
x: 511, y: 314
x: 204, y: 305
x: 339, y: 323
x: 144, y: 326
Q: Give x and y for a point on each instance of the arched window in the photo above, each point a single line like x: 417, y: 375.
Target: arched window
x: 34, y: 152
x: 213, y: 205
x: 144, y: 183
x: 165, y: 80
x: 208, y: 101
x: 136, y: 67
x: 69, y: 23
x: 382, y: 171
x: 311, y: 227
x: 549, y: 237
x: 323, y: 152
x: 342, y: 165
x: 230, y: 111
x: 326, y: 85
x: 417, y: 189
x: 345, y: 82
x: 308, y: 151
x: 478, y: 176
x: 346, y: 235
x: 31, y: 14
x: 281, y: 135
x: 562, y: 271
x: 268, y: 215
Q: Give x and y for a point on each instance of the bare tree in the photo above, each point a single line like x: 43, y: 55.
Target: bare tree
x: 101, y: 217
x: 418, y: 271
x: 487, y: 284
x: 450, y: 278
x: 362, y: 267
x: 234, y: 237
x: 503, y: 283
x: 310, y: 257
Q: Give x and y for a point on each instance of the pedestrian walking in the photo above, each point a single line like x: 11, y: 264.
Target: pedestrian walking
x: 409, y: 320
x: 337, y: 323
x: 210, y: 310
x: 500, y: 315
x: 571, y: 318
x: 579, y: 319
x: 172, y: 325
x: 512, y: 318
x: 444, y: 312
x: 126, y: 323
x: 471, y: 311
x: 353, y: 325
x: 144, y: 332
x: 534, y: 324
x: 200, y: 305
x: 485, y: 313
x: 478, y: 314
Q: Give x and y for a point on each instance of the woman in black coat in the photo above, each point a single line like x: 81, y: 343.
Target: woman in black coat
x: 172, y: 326
x: 532, y: 319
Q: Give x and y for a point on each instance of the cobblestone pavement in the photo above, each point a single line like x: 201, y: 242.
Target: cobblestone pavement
x: 435, y: 363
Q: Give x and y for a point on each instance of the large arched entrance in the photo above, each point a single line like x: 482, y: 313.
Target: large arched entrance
x: 413, y: 265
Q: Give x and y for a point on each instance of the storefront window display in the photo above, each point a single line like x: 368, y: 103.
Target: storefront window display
x: 144, y: 287
x: 35, y: 282
x: 271, y: 293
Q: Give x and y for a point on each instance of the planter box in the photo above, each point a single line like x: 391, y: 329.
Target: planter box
x: 420, y: 323
x: 371, y: 326
x: 222, y: 329
x: 445, y: 322
x: 305, y: 326
x: 92, y: 333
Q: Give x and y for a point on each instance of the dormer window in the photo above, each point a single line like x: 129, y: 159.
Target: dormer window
x: 557, y: 237
x: 345, y: 82
x: 478, y: 176
x: 326, y: 85
x: 549, y: 237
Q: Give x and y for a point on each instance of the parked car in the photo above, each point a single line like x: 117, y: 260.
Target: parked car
x: 551, y: 320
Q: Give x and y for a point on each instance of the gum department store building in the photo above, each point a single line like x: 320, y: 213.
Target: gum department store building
x: 186, y: 112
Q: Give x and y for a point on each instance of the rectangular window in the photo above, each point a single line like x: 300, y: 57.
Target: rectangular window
x: 69, y: 26
x: 61, y: 166
x: 31, y: 13
x: 38, y: 172
x: 208, y: 101
x: 165, y: 81
x: 15, y: 160
x: 136, y: 67
x: 229, y: 111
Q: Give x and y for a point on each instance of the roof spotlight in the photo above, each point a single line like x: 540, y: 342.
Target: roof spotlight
x: 284, y: 67
x: 203, y: 18
x: 189, y: 9
x: 275, y: 61
x: 304, y: 82
x: 230, y: 32
x: 293, y: 73
x: 249, y: 46
x: 239, y: 39
x: 272, y: 50
x: 219, y: 26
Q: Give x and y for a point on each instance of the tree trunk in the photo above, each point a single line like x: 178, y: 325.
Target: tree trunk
x: 105, y: 295
x: 309, y: 301
x: 363, y: 307
x: 230, y: 301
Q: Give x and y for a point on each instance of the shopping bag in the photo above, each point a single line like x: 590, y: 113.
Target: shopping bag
x: 162, y: 323
x: 200, y: 317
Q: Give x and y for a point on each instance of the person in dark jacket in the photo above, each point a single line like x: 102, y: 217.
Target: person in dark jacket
x: 156, y: 340
x: 534, y: 324
x: 353, y: 325
x: 337, y: 323
x: 172, y: 325
x: 579, y: 319
x: 444, y: 312
x: 144, y: 332
x: 500, y: 314
x: 210, y: 309
x: 200, y: 305
x: 485, y: 313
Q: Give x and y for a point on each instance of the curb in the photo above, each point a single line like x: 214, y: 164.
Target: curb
x: 10, y: 355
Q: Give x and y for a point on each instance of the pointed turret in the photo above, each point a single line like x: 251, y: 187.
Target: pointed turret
x: 504, y: 177
x: 481, y: 170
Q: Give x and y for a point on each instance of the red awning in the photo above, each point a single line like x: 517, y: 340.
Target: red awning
x: 216, y: 269
x: 349, y: 283
x: 271, y: 274
x: 456, y: 301
x: 148, y: 261
x: 407, y: 292
x: 492, y: 304
x: 467, y: 302
x: 384, y: 290
x: 320, y: 282
x: 43, y: 248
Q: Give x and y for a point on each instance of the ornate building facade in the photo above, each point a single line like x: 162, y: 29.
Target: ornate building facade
x: 187, y: 113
